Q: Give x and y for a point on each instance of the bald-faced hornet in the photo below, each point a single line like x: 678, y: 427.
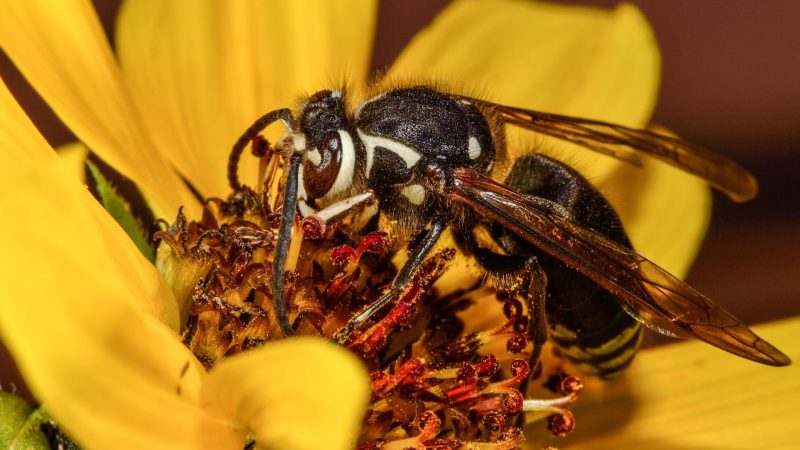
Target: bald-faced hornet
x: 425, y: 159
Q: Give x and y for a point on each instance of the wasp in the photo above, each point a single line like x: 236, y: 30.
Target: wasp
x: 425, y: 159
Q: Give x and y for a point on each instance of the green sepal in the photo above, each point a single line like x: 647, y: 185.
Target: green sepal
x: 20, y: 424
x: 120, y: 210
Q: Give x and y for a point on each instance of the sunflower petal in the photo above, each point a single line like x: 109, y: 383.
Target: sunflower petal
x: 665, y: 212
x: 77, y: 310
x: 19, y: 139
x: 577, y: 61
x: 303, y: 393
x: 74, y: 156
x: 61, y: 49
x: 203, y: 71
x: 690, y: 396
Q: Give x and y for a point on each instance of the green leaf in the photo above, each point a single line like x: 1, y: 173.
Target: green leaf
x: 20, y: 424
x: 121, y: 212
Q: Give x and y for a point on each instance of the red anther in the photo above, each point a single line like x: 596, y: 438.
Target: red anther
x: 562, y: 423
x: 409, y: 368
x: 520, y: 369
x: 374, y: 243
x: 494, y: 422
x: 429, y: 424
x: 461, y: 394
x: 487, y: 366
x: 467, y: 374
x: 313, y: 227
x: 516, y: 343
x: 571, y: 385
x: 337, y: 287
x: 342, y: 255
x: 376, y: 337
x: 513, y: 402
x: 512, y: 308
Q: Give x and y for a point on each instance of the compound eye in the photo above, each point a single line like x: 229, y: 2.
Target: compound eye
x: 322, y: 165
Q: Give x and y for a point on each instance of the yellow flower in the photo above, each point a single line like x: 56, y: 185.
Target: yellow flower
x: 93, y: 326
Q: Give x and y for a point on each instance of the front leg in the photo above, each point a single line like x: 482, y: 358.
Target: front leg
x: 400, y: 283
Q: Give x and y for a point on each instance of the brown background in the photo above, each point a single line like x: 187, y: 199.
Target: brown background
x: 731, y: 81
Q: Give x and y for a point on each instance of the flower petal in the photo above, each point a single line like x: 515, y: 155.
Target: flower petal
x: 203, y: 71
x: 20, y: 141
x: 665, y: 211
x: 61, y: 49
x: 692, y: 395
x: 74, y: 156
x: 77, y: 310
x: 578, y: 61
x: 302, y: 393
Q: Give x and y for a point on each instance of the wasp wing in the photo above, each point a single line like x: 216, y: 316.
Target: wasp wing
x: 615, y: 140
x: 647, y: 291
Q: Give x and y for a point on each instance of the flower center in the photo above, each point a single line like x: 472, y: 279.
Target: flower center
x: 436, y: 381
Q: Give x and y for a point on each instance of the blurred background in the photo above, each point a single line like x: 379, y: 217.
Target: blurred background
x: 731, y: 82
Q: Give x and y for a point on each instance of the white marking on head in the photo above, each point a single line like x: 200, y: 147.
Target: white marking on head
x: 474, y: 148
x: 301, y: 187
x: 336, y: 94
x: 345, y: 176
x: 314, y: 156
x: 406, y: 153
x: 299, y: 142
x: 415, y: 193
x: 304, y: 209
x: 343, y: 205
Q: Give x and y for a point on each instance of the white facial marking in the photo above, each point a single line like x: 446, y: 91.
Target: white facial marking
x: 314, y: 156
x: 304, y: 209
x: 301, y: 187
x: 406, y: 153
x: 415, y: 193
x: 341, y: 206
x: 299, y: 142
x: 345, y: 176
x: 474, y: 149
x: 336, y: 94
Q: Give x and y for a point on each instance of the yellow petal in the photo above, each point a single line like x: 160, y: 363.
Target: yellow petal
x: 74, y: 156
x: 692, y: 396
x: 77, y: 313
x: 578, y: 61
x: 665, y: 211
x: 20, y: 141
x: 302, y: 393
x: 203, y: 71
x: 62, y: 50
